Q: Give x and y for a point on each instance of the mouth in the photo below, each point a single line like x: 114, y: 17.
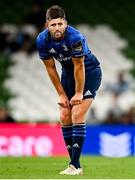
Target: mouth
x: 57, y: 34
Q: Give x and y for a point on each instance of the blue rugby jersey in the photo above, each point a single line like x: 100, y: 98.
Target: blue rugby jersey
x: 72, y: 45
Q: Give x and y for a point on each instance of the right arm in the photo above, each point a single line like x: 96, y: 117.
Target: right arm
x: 51, y: 69
x: 52, y: 72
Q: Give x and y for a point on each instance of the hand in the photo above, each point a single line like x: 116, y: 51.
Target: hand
x: 64, y: 102
x: 76, y: 99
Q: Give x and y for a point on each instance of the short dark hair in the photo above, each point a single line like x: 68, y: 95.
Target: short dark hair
x: 55, y: 12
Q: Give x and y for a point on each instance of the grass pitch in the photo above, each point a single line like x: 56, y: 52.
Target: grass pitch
x: 49, y: 168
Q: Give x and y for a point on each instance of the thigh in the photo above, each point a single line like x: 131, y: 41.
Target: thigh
x: 80, y: 110
x: 68, y: 84
x: 92, y: 83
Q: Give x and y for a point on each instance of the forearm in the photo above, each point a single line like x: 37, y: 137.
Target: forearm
x: 52, y: 72
x: 79, y: 75
x: 55, y: 80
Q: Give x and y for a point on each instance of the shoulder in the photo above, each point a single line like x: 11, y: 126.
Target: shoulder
x: 74, y: 35
x: 42, y: 37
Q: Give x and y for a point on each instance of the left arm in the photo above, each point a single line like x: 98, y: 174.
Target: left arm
x: 79, y: 75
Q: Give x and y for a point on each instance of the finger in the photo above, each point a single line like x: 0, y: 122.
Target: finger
x: 68, y: 104
x: 76, y: 102
x: 62, y: 105
x: 73, y: 103
x: 59, y: 103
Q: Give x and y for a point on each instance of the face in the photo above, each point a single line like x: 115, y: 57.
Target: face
x: 57, y: 27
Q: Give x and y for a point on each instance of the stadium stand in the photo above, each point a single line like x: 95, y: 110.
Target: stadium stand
x: 109, y: 27
x: 36, y: 99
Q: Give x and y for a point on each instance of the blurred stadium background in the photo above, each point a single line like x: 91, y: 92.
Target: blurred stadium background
x: 27, y: 96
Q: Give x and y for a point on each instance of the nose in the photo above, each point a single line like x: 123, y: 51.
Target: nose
x: 57, y: 27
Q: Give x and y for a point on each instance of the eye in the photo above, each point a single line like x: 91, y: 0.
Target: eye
x: 53, y: 25
x: 60, y: 24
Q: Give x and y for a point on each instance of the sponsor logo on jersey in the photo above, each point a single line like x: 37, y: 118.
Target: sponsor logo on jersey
x: 52, y: 50
x: 62, y: 58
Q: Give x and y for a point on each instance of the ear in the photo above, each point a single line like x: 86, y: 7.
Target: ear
x: 66, y: 23
x: 46, y: 25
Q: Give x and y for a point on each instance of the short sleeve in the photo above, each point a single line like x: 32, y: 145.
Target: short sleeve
x: 77, y: 46
x: 42, y: 49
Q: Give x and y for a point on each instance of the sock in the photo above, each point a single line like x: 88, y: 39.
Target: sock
x: 79, y: 134
x: 67, y: 134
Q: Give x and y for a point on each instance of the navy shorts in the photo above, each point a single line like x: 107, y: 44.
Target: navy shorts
x: 92, y: 83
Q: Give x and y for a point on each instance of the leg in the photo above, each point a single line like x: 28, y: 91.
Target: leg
x: 79, y: 111
x: 65, y: 116
x: 66, y: 122
x: 79, y: 130
x: 92, y: 83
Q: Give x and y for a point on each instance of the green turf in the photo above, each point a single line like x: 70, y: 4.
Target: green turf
x: 49, y: 168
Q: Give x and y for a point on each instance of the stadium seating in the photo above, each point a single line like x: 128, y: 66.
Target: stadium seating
x: 110, y: 37
x: 35, y: 97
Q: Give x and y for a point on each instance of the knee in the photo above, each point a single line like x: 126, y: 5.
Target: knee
x: 65, y: 118
x: 77, y: 116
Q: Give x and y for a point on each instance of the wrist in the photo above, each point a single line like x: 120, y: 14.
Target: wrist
x: 79, y: 92
x: 61, y: 93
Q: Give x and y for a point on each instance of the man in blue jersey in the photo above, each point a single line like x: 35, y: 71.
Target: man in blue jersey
x: 80, y: 79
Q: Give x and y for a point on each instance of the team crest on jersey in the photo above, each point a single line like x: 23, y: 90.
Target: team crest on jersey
x: 64, y: 47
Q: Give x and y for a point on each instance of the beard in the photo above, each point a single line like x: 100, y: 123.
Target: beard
x: 58, y: 35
